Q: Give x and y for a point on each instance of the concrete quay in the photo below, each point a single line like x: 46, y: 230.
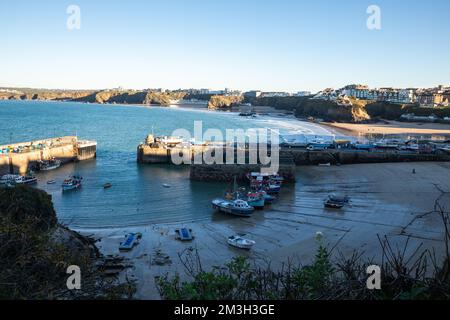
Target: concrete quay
x: 18, y: 158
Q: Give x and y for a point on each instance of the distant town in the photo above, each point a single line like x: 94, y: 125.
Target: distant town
x: 425, y: 97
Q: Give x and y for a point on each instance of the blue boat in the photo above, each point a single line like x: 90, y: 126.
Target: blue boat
x: 268, y: 199
x: 184, y: 234
x: 72, y: 183
x: 256, y: 200
x: 235, y: 207
x: 131, y: 240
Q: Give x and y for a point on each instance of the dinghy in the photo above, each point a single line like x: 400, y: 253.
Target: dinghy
x: 184, y: 234
x: 131, y: 240
x: 241, y: 243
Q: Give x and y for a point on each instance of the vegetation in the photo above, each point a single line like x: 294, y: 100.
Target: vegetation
x: 35, y: 252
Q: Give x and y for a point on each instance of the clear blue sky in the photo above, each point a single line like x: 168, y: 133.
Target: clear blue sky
x: 242, y: 44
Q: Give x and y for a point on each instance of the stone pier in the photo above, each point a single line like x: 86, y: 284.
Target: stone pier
x: 24, y: 156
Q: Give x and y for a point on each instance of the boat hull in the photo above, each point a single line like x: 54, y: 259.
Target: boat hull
x: 257, y: 203
x: 71, y: 187
x: 226, y: 207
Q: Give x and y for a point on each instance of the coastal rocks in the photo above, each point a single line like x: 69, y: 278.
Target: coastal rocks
x: 41, y: 251
x: 222, y: 102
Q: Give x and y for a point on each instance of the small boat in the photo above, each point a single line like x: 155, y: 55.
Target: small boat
x: 268, y: 199
x: 363, y: 146
x: 235, y: 207
x: 342, y: 199
x: 273, y: 188
x: 49, y: 165
x: 241, y: 243
x: 388, y: 144
x: 256, y: 200
x: 51, y: 182
x: 107, y: 185
x: 131, y: 240
x: 184, y: 234
x: 271, y: 183
x: 333, y: 205
x: 325, y: 164
x: 165, y: 185
x: 72, y: 183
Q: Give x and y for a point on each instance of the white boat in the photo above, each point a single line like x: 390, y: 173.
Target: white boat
x: 13, y: 179
x: 9, y: 178
x: 171, y: 140
x: 26, y: 180
x: 388, y: 143
x: 241, y: 243
x: 325, y: 164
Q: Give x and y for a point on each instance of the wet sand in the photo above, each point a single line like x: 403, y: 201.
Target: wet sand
x: 391, y: 127
x: 385, y: 199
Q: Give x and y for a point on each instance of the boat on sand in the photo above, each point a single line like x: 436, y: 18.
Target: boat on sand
x: 241, y: 243
x: 234, y: 207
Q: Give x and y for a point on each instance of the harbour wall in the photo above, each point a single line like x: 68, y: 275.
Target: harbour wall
x: 299, y: 157
x: 65, y: 149
x: 227, y: 172
x: 335, y: 156
x: 289, y: 158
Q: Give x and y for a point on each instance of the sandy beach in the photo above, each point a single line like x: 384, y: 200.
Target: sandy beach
x: 391, y: 127
x: 385, y: 199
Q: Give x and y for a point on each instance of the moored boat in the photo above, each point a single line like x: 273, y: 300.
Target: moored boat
x: 268, y: 199
x: 241, y: 243
x: 13, y: 179
x: 254, y: 199
x: 131, y: 240
x: 72, y: 183
x: 271, y: 183
x: 49, y: 165
x: 233, y: 207
x: 9, y: 178
x: 333, y: 204
x: 28, y: 179
x: 184, y: 234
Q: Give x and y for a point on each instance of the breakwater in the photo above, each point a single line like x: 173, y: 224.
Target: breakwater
x: 21, y: 157
x: 152, y: 153
x: 342, y: 156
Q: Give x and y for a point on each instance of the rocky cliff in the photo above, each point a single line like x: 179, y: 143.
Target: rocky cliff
x: 35, y: 251
x: 223, y: 102
x: 104, y: 96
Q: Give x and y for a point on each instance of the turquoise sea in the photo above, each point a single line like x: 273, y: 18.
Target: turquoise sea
x: 137, y: 196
